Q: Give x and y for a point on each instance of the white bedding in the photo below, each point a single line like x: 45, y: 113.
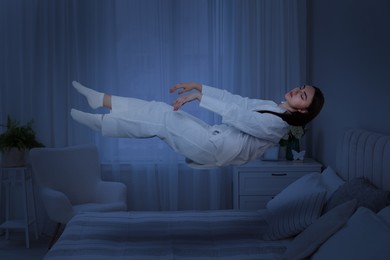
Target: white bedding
x: 224, y: 234
x: 330, y: 225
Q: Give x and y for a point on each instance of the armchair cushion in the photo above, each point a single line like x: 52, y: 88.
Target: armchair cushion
x: 109, y: 192
x: 100, y: 207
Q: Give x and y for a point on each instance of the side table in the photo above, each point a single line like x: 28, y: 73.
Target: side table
x: 257, y: 182
x: 8, y: 178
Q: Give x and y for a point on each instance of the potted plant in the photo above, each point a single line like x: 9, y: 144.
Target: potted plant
x: 291, y: 141
x: 15, y: 141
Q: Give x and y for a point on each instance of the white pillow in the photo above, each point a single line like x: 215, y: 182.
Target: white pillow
x: 364, y: 236
x: 304, y: 186
x: 384, y: 214
x: 292, y: 218
x: 331, y: 181
x: 307, y: 242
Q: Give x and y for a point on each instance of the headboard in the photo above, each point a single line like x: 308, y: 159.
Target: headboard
x: 365, y: 154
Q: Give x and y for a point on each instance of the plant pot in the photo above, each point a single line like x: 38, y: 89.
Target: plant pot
x: 292, y: 145
x: 13, y: 157
x: 282, y: 153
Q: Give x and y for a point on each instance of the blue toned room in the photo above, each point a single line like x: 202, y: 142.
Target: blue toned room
x: 194, y: 129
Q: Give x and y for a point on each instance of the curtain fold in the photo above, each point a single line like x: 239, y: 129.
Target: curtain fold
x: 140, y: 48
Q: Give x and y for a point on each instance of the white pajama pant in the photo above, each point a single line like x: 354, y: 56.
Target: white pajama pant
x: 185, y: 134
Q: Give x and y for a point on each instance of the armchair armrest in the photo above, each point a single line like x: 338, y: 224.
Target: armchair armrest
x: 109, y: 191
x: 57, y: 205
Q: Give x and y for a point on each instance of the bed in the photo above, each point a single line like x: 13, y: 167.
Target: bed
x: 343, y: 213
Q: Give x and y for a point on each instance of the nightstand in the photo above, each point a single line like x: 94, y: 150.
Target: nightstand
x: 257, y: 182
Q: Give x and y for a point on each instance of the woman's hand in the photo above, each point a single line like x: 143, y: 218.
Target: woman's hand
x: 185, y: 87
x: 180, y: 101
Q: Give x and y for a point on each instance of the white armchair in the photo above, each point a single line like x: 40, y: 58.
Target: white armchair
x: 70, y: 182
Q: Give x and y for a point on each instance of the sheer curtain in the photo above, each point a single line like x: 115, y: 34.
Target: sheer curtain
x: 140, y: 48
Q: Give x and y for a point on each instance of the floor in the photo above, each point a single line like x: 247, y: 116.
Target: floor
x: 15, y: 247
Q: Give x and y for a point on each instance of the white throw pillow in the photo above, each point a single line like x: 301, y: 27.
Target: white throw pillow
x: 304, y: 186
x: 384, y: 214
x: 290, y: 219
x: 331, y: 181
x: 363, y: 237
x: 307, y: 242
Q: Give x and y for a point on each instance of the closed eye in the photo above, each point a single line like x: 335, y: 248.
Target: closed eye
x: 304, y: 95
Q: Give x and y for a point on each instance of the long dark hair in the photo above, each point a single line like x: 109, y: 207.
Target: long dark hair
x: 302, y: 119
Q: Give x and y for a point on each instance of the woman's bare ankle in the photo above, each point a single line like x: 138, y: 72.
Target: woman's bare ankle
x: 107, y: 101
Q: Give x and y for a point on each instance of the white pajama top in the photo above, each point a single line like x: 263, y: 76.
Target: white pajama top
x: 244, y: 134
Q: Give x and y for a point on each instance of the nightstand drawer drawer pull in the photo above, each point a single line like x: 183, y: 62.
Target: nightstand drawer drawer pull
x: 279, y: 174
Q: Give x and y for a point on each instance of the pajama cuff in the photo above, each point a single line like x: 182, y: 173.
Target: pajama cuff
x: 212, y: 92
x: 214, y: 105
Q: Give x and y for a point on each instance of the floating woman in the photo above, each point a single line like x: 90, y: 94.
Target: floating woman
x: 249, y: 126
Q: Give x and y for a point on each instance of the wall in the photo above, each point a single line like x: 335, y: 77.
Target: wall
x: 349, y: 59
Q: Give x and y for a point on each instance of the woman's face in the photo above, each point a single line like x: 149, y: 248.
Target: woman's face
x: 299, y: 99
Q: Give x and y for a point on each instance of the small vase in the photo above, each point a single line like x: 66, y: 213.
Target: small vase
x: 271, y: 154
x: 292, y: 144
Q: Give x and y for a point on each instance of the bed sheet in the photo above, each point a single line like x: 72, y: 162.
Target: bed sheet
x: 223, y: 234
